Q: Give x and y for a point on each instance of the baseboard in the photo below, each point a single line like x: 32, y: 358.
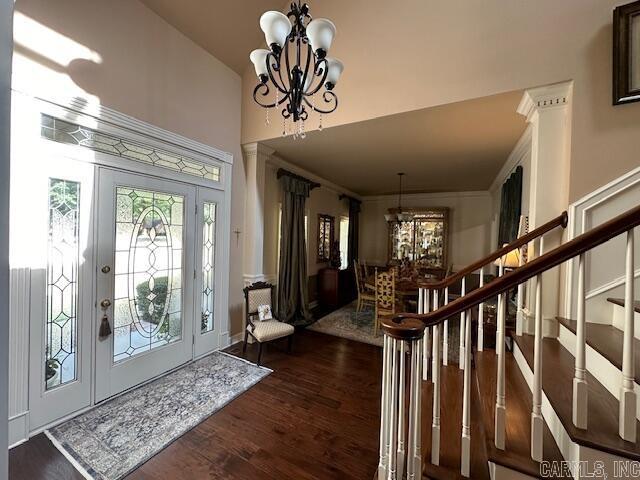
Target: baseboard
x: 500, y: 472
x: 235, y: 338
x: 18, y: 429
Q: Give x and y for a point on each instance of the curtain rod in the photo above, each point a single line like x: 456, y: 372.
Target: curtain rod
x: 351, y: 199
x: 282, y: 172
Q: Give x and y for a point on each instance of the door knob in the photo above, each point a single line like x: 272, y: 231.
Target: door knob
x: 106, y: 303
x: 106, y: 269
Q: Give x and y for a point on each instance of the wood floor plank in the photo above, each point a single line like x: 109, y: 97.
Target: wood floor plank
x: 316, y: 417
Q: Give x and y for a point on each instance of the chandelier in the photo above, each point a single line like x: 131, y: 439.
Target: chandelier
x: 399, y: 215
x: 296, y: 67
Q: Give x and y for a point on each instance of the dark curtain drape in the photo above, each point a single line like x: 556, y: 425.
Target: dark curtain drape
x: 293, y: 295
x: 354, y: 228
x: 510, y: 208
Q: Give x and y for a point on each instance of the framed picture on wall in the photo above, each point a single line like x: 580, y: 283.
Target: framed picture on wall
x: 626, y: 53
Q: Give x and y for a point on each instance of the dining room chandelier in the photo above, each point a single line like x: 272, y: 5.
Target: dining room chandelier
x: 296, y: 67
x: 398, y: 215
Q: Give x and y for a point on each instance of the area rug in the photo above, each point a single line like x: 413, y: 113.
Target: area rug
x: 347, y: 323
x: 111, y: 440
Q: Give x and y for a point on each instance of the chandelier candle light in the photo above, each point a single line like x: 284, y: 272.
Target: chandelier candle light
x: 296, y: 66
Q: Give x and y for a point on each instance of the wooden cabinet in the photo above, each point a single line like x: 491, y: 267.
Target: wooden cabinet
x: 335, y: 287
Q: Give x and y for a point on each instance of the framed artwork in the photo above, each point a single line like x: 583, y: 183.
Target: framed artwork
x: 325, y: 237
x: 626, y: 53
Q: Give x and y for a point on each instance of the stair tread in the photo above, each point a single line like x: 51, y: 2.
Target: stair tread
x: 517, y: 454
x: 620, y: 302
x: 451, y: 429
x: 557, y: 382
x: 608, y: 341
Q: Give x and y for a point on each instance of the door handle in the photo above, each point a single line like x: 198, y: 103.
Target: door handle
x: 106, y: 303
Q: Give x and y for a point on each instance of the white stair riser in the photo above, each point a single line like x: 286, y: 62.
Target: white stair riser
x: 571, y: 451
x: 601, y: 368
x: 618, y: 320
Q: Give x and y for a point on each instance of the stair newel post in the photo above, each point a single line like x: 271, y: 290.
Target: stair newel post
x: 384, y: 420
x: 435, y: 376
x: 481, y: 316
x: 500, y: 411
x: 627, y: 415
x: 463, y: 291
x: 580, y: 395
x: 537, y: 421
x: 445, y: 335
x: 465, y: 457
x: 401, y: 453
x: 426, y: 351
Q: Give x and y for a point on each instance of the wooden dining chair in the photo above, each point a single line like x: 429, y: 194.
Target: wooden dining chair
x: 385, y: 296
x: 364, y: 296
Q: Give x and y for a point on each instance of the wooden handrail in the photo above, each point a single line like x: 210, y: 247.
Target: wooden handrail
x: 559, y: 221
x: 551, y: 259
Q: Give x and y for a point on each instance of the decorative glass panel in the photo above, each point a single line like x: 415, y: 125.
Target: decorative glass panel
x: 325, y: 237
x: 64, y: 132
x: 420, y: 240
x: 62, y: 282
x: 208, y: 266
x: 148, y: 271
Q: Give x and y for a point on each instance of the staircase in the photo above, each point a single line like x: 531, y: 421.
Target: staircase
x: 514, y: 414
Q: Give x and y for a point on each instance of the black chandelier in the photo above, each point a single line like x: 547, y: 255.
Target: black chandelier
x: 296, y: 66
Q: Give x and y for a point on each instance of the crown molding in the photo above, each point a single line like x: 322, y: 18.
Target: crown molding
x: 257, y: 148
x: 548, y: 96
x: 427, y: 196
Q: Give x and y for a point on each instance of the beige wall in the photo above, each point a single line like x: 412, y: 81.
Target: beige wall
x: 122, y: 55
x: 469, y: 224
x: 402, y: 56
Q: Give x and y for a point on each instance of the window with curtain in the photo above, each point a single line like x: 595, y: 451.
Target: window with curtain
x: 344, y: 243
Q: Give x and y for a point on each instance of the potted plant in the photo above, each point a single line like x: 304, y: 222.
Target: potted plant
x: 52, y: 371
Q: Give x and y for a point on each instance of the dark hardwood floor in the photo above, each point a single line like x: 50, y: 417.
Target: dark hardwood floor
x: 315, y: 417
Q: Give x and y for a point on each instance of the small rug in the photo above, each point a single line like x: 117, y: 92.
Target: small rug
x: 113, y: 439
x: 347, y: 323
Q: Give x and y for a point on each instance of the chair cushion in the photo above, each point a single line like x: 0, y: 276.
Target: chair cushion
x: 270, y: 330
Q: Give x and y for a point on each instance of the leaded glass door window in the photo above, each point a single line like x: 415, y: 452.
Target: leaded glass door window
x: 210, y: 278
x: 145, y: 280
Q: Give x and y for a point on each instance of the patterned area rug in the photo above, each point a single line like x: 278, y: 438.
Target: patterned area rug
x: 118, y: 436
x: 347, y: 323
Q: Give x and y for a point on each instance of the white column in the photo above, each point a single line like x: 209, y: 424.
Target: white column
x: 401, y: 452
x: 384, y: 421
x: 256, y: 156
x: 548, y: 111
x: 627, y: 414
x: 580, y: 392
x: 481, y: 316
x: 435, y: 376
x: 465, y: 457
x: 445, y: 336
x: 462, y: 321
x: 6, y: 50
x: 500, y: 414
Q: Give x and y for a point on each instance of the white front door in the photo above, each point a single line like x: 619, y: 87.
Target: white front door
x: 145, y: 278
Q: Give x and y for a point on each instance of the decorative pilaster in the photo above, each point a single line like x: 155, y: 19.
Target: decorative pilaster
x: 256, y: 156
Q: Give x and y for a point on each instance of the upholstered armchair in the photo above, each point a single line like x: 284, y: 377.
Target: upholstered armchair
x: 255, y: 295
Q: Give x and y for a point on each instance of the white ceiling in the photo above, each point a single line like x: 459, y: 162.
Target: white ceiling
x: 455, y: 147
x: 227, y: 30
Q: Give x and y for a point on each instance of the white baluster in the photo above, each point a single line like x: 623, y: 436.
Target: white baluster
x: 426, y: 352
x: 481, y: 316
x: 580, y: 391
x: 500, y: 414
x: 465, y: 457
x: 393, y: 412
x: 401, y: 453
x: 462, y: 319
x: 519, y: 302
x: 384, y: 421
x: 445, y: 336
x: 435, y: 376
x: 414, y: 462
x: 413, y: 385
x: 627, y: 414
